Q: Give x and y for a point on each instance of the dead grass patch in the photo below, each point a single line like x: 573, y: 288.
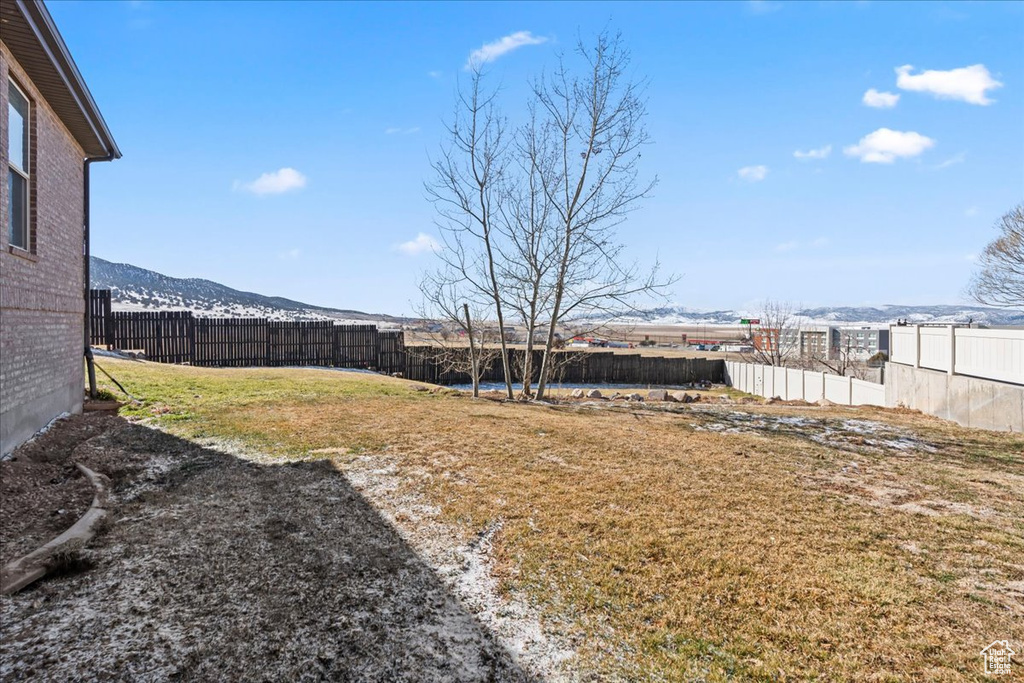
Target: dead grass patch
x: 794, y: 542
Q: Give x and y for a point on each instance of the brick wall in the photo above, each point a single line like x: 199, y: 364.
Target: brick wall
x: 41, y: 294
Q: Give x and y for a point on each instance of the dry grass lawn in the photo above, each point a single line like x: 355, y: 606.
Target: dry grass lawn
x: 697, y: 543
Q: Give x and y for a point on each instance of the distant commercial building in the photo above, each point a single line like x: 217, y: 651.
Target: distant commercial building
x: 819, y: 342
x: 824, y: 341
x: 830, y: 341
x: 865, y: 341
x: 771, y: 339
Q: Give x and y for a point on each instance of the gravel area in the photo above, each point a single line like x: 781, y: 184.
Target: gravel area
x: 216, y: 567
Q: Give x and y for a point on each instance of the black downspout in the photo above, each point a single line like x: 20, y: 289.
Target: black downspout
x: 86, y: 254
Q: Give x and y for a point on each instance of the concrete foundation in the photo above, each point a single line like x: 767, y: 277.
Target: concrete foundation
x: 965, y: 400
x: 20, y: 421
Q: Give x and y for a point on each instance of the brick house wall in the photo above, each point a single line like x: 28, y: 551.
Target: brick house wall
x: 41, y: 294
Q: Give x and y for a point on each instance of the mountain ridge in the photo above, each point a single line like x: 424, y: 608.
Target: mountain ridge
x: 135, y: 288
x: 836, y: 315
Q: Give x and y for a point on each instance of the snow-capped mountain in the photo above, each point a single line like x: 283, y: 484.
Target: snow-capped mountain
x: 137, y: 289
x: 916, y: 314
x: 840, y: 315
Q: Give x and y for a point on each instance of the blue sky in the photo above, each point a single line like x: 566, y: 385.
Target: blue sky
x: 206, y: 98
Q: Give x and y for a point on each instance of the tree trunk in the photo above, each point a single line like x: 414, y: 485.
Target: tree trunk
x: 474, y: 368
x: 528, y: 363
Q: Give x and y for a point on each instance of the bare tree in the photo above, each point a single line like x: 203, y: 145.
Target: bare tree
x: 776, y: 339
x: 839, y: 359
x: 594, y: 125
x: 1000, y: 277
x: 528, y: 222
x: 445, y: 302
x: 467, y: 191
x: 530, y: 249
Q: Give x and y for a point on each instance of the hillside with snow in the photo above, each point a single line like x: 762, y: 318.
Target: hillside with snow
x: 137, y: 289
x: 841, y: 315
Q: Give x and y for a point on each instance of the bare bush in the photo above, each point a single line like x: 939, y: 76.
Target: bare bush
x: 776, y: 339
x: 999, y: 280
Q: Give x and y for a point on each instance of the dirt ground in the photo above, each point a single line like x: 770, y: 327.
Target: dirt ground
x: 220, y: 568
x: 42, y: 493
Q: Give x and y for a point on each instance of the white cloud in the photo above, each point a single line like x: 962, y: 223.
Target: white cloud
x: 290, y: 255
x: 971, y: 211
x: 969, y: 83
x: 276, y: 182
x: 488, y: 52
x: 820, y: 153
x: 401, y: 131
x: 884, y: 146
x: 434, y: 74
x: 787, y: 246
x: 880, y: 100
x: 952, y: 161
x: 820, y: 242
x: 421, y: 244
x: 753, y: 174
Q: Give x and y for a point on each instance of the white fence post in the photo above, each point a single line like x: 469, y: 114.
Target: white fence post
x: 917, y: 346
x: 952, y: 350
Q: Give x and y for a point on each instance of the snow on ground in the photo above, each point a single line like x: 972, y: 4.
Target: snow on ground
x: 224, y: 567
x: 220, y: 310
x: 851, y: 434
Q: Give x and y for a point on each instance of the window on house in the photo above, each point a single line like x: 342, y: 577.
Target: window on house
x: 18, y: 167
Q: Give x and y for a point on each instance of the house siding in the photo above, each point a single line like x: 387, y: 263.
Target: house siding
x: 41, y: 295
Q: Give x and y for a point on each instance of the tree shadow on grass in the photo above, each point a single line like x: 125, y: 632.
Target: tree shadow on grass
x: 218, y: 568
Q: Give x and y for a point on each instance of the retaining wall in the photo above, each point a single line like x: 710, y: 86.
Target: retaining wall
x: 969, y: 401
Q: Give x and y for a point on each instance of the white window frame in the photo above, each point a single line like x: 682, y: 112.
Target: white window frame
x: 26, y: 174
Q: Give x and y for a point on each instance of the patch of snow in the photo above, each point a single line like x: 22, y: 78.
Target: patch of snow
x: 465, y: 567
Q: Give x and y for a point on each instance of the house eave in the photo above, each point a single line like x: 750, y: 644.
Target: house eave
x: 31, y: 35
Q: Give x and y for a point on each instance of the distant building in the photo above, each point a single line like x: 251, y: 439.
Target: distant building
x: 824, y: 341
x: 769, y: 339
x: 864, y: 341
x: 828, y: 341
x: 819, y: 342
x: 51, y: 130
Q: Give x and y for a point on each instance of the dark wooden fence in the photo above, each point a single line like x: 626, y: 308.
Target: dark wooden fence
x: 99, y: 314
x: 180, y: 337
x: 574, y: 367
x: 166, y: 336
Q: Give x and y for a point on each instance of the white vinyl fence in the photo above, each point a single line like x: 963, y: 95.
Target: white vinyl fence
x: 793, y: 384
x: 996, y: 354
